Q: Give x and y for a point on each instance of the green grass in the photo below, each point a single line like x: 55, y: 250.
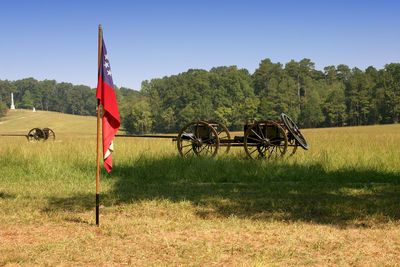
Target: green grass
x: 336, y: 204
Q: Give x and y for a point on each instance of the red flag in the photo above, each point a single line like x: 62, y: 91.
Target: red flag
x: 106, y: 94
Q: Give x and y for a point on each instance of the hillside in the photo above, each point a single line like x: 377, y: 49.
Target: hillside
x: 20, y: 121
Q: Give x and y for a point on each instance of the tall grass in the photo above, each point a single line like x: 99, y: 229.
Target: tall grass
x: 66, y: 168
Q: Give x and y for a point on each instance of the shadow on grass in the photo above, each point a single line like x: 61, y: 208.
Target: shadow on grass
x: 280, y: 190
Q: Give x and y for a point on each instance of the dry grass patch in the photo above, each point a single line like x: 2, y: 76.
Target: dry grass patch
x: 163, y: 233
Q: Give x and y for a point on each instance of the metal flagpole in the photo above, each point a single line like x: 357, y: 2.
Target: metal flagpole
x: 98, y: 138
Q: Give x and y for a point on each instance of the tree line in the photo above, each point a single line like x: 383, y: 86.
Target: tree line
x: 49, y: 95
x: 334, y: 96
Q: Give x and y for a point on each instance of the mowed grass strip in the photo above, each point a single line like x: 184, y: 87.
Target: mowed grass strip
x: 336, y: 204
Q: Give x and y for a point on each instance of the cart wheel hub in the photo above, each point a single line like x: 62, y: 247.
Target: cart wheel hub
x: 265, y: 142
x: 198, y: 142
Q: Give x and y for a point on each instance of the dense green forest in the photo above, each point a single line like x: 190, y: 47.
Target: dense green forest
x: 336, y: 96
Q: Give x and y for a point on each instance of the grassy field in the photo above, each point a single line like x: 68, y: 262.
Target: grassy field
x: 337, y: 204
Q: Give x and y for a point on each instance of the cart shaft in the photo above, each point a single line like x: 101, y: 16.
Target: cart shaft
x: 147, y: 136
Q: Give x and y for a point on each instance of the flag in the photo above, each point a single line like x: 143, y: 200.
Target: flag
x: 106, y: 94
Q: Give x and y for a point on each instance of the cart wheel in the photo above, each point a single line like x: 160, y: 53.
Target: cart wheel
x: 198, y: 138
x: 223, y: 134
x: 49, y: 134
x: 35, y: 134
x: 295, y: 131
x: 267, y: 138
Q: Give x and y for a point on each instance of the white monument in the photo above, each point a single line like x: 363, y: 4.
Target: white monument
x: 12, y: 101
x: 34, y: 110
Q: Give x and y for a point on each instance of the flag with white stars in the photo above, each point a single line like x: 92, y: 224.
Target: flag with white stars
x: 106, y: 94
x: 105, y: 68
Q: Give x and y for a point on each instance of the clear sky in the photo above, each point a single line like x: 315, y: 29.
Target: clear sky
x: 150, y: 39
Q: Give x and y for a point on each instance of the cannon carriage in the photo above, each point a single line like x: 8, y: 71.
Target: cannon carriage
x: 37, y: 134
x: 262, y: 139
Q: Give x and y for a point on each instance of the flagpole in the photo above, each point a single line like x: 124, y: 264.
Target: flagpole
x: 98, y: 139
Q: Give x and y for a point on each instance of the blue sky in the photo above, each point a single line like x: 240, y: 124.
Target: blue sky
x: 151, y: 39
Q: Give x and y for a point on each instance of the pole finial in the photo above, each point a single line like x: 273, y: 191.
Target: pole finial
x: 100, y: 27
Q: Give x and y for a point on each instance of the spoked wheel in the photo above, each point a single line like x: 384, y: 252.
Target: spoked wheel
x: 295, y: 131
x: 35, y: 134
x: 223, y: 134
x: 265, y: 139
x: 198, y: 138
x: 49, y: 134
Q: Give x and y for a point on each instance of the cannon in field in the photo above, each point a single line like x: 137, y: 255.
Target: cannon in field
x: 262, y: 139
x: 38, y: 134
